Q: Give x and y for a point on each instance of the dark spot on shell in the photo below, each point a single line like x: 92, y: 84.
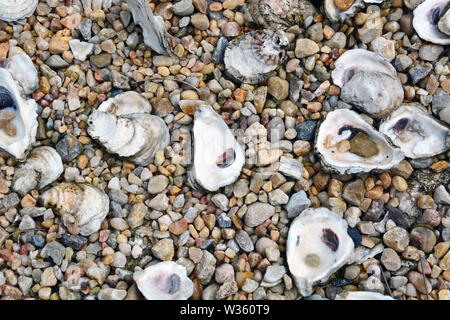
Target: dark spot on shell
x: 330, y: 239
x: 173, y: 284
x: 297, y: 243
x: 435, y: 14
x: 354, y: 131
x: 400, y: 124
x: 6, y: 99
x: 226, y: 159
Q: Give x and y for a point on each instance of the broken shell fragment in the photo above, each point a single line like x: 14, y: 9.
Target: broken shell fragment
x: 13, y: 10
x: 281, y: 13
x: 416, y: 132
x: 18, y: 118
x: 165, y: 280
x: 218, y: 157
x: 369, y: 150
x: 87, y: 204
x: 153, y: 27
x: 43, y: 166
x: 137, y: 136
x: 251, y: 57
x: 430, y: 20
x: 336, y: 13
x: 126, y: 103
x: 362, y: 295
x: 317, y: 246
x: 23, y: 71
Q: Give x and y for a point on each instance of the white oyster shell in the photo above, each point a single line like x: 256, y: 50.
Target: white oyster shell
x: 44, y: 163
x: 317, y: 246
x: 153, y: 27
x: 426, y: 19
x: 251, y: 57
x: 218, y: 157
x: 165, y: 280
x: 416, y: 132
x: 137, y: 136
x: 87, y: 204
x: 126, y: 103
x: 13, y: 10
x: 16, y: 134
x: 355, y: 60
x: 338, y: 125
x: 362, y: 295
x: 22, y: 70
x: 335, y: 14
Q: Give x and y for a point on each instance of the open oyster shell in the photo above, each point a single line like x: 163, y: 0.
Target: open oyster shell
x: 126, y: 103
x: 18, y: 118
x: 43, y: 166
x: 317, y: 246
x: 13, y: 10
x: 23, y: 71
x: 218, y: 157
x: 153, y: 27
x: 165, y: 280
x: 280, y: 13
x: 416, y: 132
x: 86, y: 204
x: 362, y: 295
x: 335, y: 14
x: 371, y: 151
x: 251, y: 57
x: 137, y: 136
x: 428, y: 17
x: 368, y: 81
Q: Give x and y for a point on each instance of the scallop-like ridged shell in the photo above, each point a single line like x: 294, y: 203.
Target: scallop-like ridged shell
x: 13, y: 10
x: 426, y: 19
x: 86, y: 203
x: 47, y: 166
x: 24, y: 122
x: 22, y: 70
x: 335, y: 14
x: 165, y: 280
x: 137, y: 136
x: 318, y: 244
x: 218, y: 157
x: 355, y: 60
x: 280, y: 13
x: 416, y: 132
x: 126, y: 103
x: 334, y: 125
x: 252, y: 57
x: 362, y: 295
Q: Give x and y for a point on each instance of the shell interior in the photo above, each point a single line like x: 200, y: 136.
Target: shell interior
x: 126, y: 103
x: 362, y: 295
x: 335, y: 14
x: 317, y: 246
x: 344, y: 124
x: 23, y: 71
x: 426, y: 19
x: 13, y: 10
x: 416, y: 132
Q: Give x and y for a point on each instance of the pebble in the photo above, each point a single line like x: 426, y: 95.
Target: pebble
x: 274, y: 273
x: 390, y: 259
x: 111, y: 294
x: 224, y: 272
x: 297, y: 203
x: 278, y: 88
x: 244, y: 241
x: 163, y: 249
x: 306, y: 130
x: 55, y: 250
x: 305, y: 48
x: 354, y: 191
x: 396, y: 238
x: 205, y: 268
x: 76, y: 242
x: 257, y: 213
x: 200, y: 21
x: 417, y: 280
x: 423, y: 238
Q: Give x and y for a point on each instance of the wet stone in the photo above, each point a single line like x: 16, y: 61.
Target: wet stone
x: 306, y: 130
x: 75, y: 242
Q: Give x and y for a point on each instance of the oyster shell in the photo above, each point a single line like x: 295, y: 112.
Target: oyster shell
x: 18, y: 118
x: 23, y: 71
x: 362, y: 295
x: 416, y: 132
x: 368, y: 81
x: 165, y: 280
x: 84, y: 203
x: 251, y: 57
x: 137, y: 136
x: 369, y: 150
x: 281, y: 13
x: 444, y: 23
x: 43, y: 166
x: 317, y: 246
x: 218, y: 157
x: 427, y: 18
x: 335, y: 14
x: 355, y: 60
x: 13, y: 10
x: 153, y: 27
x: 126, y: 103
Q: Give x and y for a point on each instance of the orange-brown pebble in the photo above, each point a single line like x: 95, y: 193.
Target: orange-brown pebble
x: 344, y: 4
